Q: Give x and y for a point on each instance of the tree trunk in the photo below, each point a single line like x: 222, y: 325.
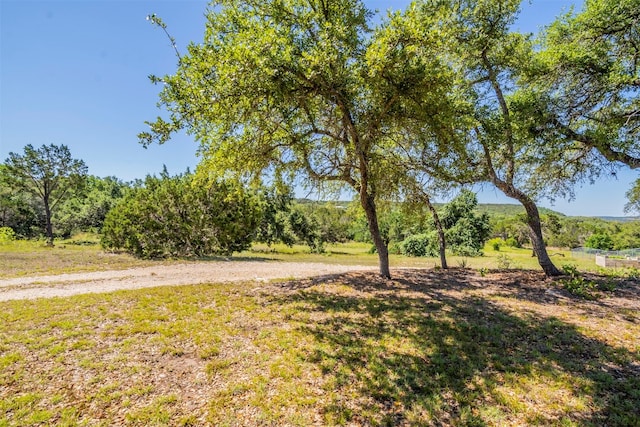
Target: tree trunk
x: 535, y: 227
x: 442, y: 246
x: 369, y: 206
x: 49, y: 227
x: 535, y: 233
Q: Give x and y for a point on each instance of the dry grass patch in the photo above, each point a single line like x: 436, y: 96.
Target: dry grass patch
x: 33, y: 258
x: 427, y: 348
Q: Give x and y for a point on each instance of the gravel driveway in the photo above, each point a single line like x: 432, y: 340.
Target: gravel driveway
x: 63, y: 285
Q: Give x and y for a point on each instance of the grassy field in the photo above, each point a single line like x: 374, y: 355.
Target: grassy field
x: 463, y: 347
x: 358, y: 253
x: 33, y: 258
x: 21, y: 258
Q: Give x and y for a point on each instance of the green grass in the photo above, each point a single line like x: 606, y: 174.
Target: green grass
x: 82, y: 253
x: 428, y: 348
x: 31, y: 258
x: 358, y: 254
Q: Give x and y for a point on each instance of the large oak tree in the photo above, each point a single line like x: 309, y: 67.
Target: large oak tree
x: 488, y: 140
x: 305, y: 88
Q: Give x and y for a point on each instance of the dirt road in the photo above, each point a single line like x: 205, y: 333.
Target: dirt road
x: 164, y: 275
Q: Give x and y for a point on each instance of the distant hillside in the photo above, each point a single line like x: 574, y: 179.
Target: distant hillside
x: 620, y: 218
x: 492, y: 209
x: 508, y: 209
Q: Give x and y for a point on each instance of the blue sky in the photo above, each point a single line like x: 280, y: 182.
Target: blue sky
x: 75, y: 73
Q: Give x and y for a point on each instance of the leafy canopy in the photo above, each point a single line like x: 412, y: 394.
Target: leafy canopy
x: 303, y: 88
x: 48, y: 173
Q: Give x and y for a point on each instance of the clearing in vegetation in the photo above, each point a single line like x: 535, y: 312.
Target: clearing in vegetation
x: 430, y: 347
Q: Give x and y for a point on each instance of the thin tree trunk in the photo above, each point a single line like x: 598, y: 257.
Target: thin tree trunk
x: 49, y: 227
x: 442, y: 246
x: 369, y: 206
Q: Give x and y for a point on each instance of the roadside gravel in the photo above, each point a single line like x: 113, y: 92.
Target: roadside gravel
x: 64, y: 285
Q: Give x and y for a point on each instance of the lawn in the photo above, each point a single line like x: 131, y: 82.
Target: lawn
x: 430, y: 347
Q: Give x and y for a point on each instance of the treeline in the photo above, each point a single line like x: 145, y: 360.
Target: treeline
x: 85, y: 211
x: 188, y: 215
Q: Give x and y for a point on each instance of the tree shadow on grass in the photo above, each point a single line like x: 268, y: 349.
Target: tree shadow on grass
x: 421, y: 350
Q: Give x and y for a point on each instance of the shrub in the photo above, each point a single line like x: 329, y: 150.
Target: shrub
x: 512, y: 243
x: 420, y: 245
x: 599, y: 241
x: 505, y: 261
x: 578, y: 285
x: 466, y: 231
x: 7, y: 234
x: 496, y: 243
x: 581, y: 287
x: 395, y: 248
x: 176, y: 216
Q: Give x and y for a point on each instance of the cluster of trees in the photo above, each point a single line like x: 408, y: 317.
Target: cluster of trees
x: 46, y: 192
x: 36, y: 183
x: 442, y: 94
x: 410, y: 229
x: 569, y: 232
x: 438, y: 96
x: 187, y: 215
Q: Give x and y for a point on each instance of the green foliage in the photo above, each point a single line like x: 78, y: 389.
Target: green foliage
x: 412, y: 231
x: 333, y: 220
x: 512, y: 243
x: 577, y: 284
x: 182, y: 216
x: 599, y: 241
x: 21, y: 211
x: 588, y: 72
x: 633, y: 197
x: 569, y: 232
x: 466, y: 232
x: 7, y: 234
x: 496, y: 243
x: 275, y: 204
x: 321, y: 91
x: 312, y: 223
x: 86, y: 212
x: 420, y: 245
x: 306, y: 229
x: 48, y: 174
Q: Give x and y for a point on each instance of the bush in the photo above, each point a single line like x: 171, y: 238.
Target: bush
x: 512, y: 243
x: 420, y: 245
x: 505, y: 261
x: 466, y: 231
x: 7, y: 234
x: 496, y: 243
x: 599, y: 241
x: 175, y: 216
x: 395, y: 248
x: 581, y: 287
